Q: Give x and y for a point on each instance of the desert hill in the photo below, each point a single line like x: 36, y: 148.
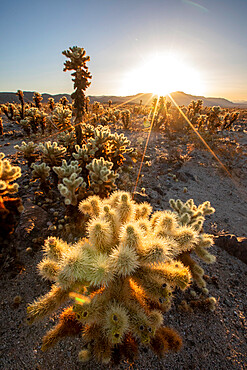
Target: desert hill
x: 180, y: 97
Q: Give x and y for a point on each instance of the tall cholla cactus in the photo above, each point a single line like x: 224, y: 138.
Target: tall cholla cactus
x: 189, y: 215
x: 77, y: 62
x: 122, y: 277
x: 21, y: 98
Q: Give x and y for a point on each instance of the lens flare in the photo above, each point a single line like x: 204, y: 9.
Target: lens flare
x: 79, y: 298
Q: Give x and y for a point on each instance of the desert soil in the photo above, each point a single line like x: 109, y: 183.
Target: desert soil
x: 212, y: 340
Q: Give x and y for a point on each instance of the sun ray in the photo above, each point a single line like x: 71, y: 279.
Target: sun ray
x: 146, y: 145
x: 235, y: 182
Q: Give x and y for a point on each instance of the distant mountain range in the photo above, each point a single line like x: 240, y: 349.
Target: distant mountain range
x: 180, y: 98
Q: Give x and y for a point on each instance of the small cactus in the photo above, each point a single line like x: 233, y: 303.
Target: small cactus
x: 69, y: 187
x: 52, y: 153
x: 28, y: 150
x: 189, y: 215
x: 41, y: 172
x: 102, y: 178
x: 9, y: 207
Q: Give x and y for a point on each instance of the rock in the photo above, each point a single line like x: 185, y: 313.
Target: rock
x: 154, y: 194
x: 235, y: 246
x: 182, y: 176
x: 185, y: 175
x: 158, y: 189
x: 128, y: 160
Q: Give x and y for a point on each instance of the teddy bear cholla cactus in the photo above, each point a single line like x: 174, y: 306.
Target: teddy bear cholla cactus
x: 69, y: 186
x: 52, y: 153
x: 9, y: 207
x: 126, y: 268
x: 8, y: 174
x: 61, y: 117
x: 28, y: 150
x: 41, y: 172
x: 102, y: 178
x: 189, y: 215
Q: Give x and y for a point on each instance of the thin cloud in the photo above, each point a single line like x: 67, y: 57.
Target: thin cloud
x: 192, y: 3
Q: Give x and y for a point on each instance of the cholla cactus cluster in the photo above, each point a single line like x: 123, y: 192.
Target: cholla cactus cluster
x: 98, y: 162
x: 36, y: 118
x: 194, y: 110
x: 209, y: 120
x: 37, y: 98
x: 10, y: 111
x: 212, y: 119
x: 100, y: 142
x: 67, y: 139
x: 229, y: 119
x: 97, y: 108
x: 121, y: 276
x: 27, y: 148
x: 51, y: 104
x: 72, y: 187
x: 66, y: 170
x: 33, y: 117
x: 159, y: 113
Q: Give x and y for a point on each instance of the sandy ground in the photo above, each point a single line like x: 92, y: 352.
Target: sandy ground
x: 215, y: 340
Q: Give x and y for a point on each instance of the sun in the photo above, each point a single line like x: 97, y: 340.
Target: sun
x: 162, y: 74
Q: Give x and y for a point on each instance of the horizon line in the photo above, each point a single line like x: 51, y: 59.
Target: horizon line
x: 146, y: 93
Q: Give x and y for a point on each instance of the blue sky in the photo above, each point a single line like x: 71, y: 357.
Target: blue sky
x: 208, y: 36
